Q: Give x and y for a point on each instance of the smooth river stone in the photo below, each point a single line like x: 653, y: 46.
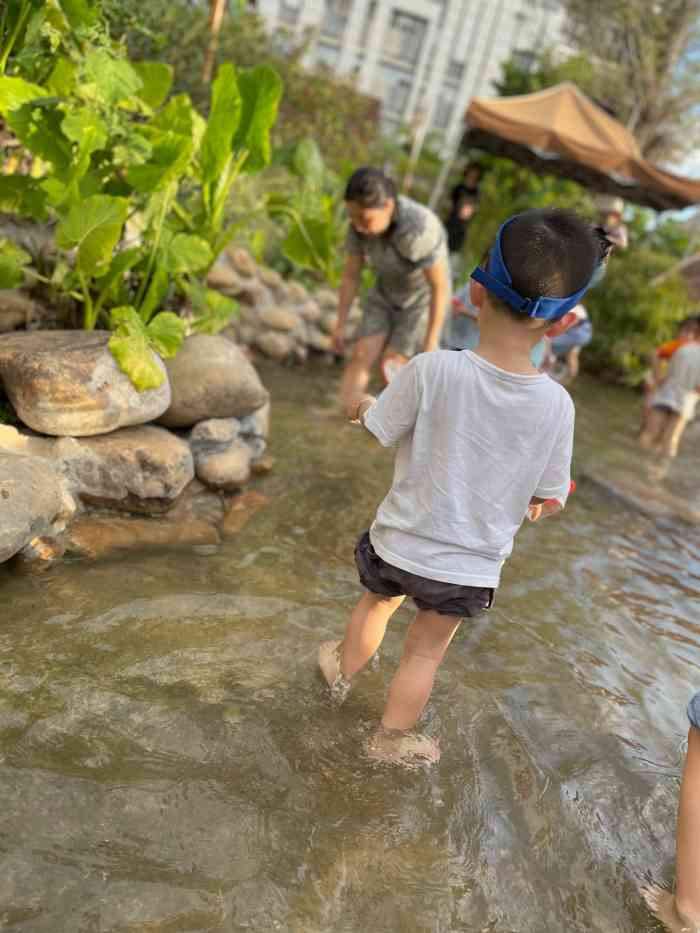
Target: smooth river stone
x: 31, y: 501
x: 211, y: 378
x: 66, y: 383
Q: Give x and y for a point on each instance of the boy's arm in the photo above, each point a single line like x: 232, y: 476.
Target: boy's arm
x: 439, y: 281
x: 555, y: 482
x: 394, y: 413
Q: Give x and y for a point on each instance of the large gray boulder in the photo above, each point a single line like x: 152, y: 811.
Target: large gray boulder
x: 32, y: 502
x: 211, y: 378
x: 139, y: 469
x: 66, y: 383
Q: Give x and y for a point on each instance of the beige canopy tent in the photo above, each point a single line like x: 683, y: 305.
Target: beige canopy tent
x: 562, y: 132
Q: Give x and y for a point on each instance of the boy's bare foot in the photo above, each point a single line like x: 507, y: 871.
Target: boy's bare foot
x: 329, y: 662
x: 662, y: 904
x: 403, y: 748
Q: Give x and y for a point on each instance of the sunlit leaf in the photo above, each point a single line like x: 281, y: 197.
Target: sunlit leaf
x: 186, y: 254
x: 131, y: 349
x: 156, y: 81
x: 260, y: 90
x: 15, y: 92
x: 223, y: 122
x: 108, y: 79
x: 12, y: 262
x: 166, y: 332
x: 94, y: 227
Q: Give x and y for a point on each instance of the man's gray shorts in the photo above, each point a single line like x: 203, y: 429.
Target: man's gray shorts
x: 694, y: 711
x: 405, y: 327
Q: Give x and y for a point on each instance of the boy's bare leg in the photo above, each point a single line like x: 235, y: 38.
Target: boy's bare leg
x: 426, y: 643
x: 682, y: 912
x: 363, y: 636
x: 356, y: 375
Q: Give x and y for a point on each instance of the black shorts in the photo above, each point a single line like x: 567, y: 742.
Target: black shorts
x: 449, y: 599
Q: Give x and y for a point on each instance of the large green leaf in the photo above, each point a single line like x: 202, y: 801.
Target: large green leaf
x: 169, y: 159
x: 131, y: 349
x: 187, y: 254
x: 176, y: 117
x: 79, y: 13
x: 223, y: 122
x: 260, y: 89
x: 156, y: 81
x: 12, y: 262
x: 94, y: 226
x: 85, y: 128
x: 308, y: 244
x: 165, y: 333
x: 63, y: 78
x: 38, y: 127
x: 22, y: 194
x: 15, y: 92
x: 107, y: 79
x: 216, y: 313
x: 307, y: 162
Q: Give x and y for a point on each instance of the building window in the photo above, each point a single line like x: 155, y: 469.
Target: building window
x: 455, y: 71
x: 371, y: 10
x: 335, y: 19
x: 404, y: 37
x: 326, y: 55
x: 394, y: 90
x: 442, y: 115
x: 289, y: 12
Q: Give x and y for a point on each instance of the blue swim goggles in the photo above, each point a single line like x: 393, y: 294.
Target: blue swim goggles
x: 498, y: 281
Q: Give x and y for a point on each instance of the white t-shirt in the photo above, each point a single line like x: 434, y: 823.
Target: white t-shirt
x: 679, y: 389
x: 475, y: 443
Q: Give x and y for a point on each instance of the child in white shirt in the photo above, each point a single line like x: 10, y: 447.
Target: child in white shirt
x: 482, y: 440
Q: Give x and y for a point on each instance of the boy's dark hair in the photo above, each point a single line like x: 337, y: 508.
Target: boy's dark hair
x: 551, y: 253
x: 369, y: 187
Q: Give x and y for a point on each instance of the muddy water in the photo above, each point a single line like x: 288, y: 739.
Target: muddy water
x: 169, y: 760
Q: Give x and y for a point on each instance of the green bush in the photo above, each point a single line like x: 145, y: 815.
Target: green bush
x: 115, y: 157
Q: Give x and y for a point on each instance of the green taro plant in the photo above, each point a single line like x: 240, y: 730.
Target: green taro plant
x: 135, y: 180
x: 314, y: 213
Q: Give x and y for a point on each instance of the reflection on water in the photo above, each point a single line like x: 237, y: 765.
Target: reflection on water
x: 170, y: 761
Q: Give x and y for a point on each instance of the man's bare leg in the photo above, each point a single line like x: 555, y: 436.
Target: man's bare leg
x: 364, y: 634
x: 652, y: 432
x: 671, y: 437
x: 426, y: 643
x: 682, y: 912
x: 356, y: 375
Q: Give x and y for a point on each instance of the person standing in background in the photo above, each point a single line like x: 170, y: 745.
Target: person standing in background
x: 464, y: 198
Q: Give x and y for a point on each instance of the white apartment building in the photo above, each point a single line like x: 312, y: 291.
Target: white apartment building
x: 424, y: 59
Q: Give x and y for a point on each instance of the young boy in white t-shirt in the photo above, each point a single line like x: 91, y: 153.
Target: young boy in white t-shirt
x: 482, y: 440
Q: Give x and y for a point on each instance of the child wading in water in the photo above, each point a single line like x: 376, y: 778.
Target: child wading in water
x: 483, y: 438
x: 680, y: 913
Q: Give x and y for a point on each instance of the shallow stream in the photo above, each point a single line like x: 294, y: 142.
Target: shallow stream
x: 170, y: 762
